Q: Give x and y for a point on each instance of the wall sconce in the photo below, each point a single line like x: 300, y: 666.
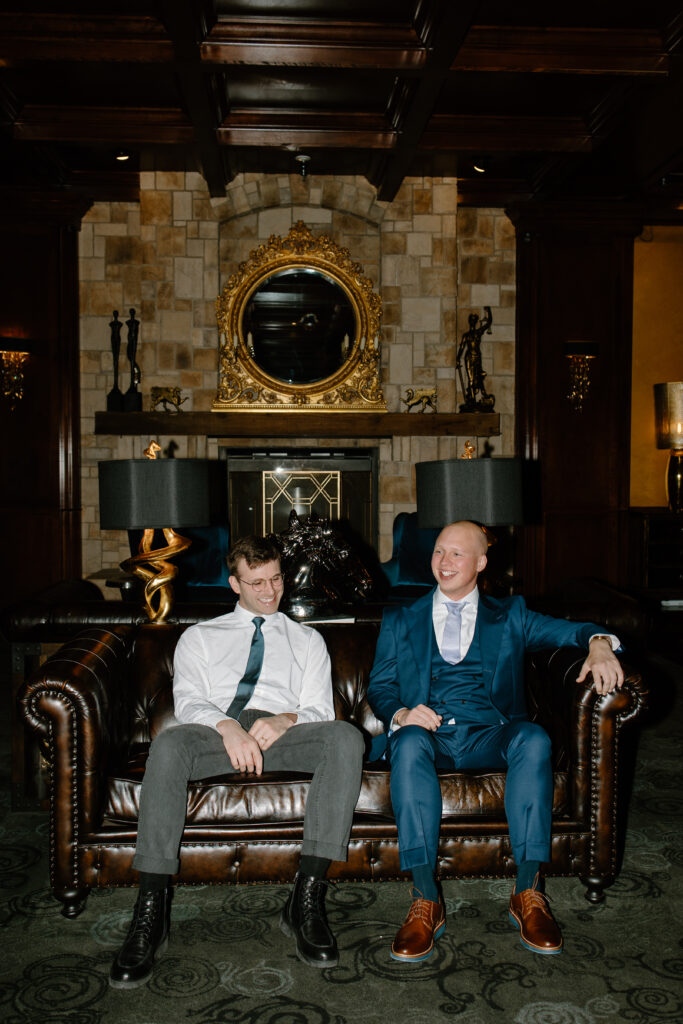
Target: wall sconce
x: 579, y: 354
x: 14, y: 353
x: 669, y: 429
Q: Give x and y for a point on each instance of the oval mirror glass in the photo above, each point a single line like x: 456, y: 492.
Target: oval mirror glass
x: 299, y: 325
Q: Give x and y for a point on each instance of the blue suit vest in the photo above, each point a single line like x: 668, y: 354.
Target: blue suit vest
x: 458, y: 691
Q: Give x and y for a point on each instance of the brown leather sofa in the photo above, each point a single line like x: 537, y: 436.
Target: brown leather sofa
x: 106, y: 693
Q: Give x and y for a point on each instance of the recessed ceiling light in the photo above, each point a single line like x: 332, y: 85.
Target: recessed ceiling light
x: 479, y: 169
x: 122, y: 156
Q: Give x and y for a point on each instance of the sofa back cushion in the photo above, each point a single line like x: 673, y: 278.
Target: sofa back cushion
x: 352, y: 651
x: 151, y: 680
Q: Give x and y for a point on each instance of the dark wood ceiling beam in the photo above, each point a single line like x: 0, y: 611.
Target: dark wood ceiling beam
x: 490, y: 133
x: 70, y: 37
x: 584, y: 51
x: 480, y: 191
x: 108, y: 186
x: 449, y: 24
x: 288, y: 42
x: 104, y: 124
x: 322, y: 129
x: 186, y: 26
x: 302, y: 138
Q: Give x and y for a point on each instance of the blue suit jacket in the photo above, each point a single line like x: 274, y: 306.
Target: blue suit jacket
x: 401, y: 673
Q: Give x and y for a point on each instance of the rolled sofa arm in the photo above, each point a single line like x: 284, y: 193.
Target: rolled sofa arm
x: 590, y: 725
x: 77, y: 702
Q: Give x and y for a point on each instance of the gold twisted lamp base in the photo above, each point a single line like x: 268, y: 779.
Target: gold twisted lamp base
x: 157, y: 572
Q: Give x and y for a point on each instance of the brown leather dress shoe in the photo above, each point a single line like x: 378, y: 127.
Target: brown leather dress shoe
x: 425, y: 923
x: 538, y: 930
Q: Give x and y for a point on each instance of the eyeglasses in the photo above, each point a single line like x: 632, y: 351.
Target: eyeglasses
x: 260, y: 584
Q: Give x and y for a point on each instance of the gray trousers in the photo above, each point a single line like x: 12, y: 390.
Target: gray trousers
x: 331, y: 751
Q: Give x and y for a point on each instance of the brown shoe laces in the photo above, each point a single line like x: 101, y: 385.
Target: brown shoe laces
x: 532, y: 898
x: 419, y: 910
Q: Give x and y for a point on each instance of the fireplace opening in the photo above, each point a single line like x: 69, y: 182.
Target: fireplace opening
x: 338, y: 484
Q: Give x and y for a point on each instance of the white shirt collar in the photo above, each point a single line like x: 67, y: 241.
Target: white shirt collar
x: 471, y: 599
x: 244, y: 616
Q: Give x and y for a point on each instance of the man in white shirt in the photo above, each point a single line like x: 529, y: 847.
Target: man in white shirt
x: 448, y: 684
x: 252, y: 692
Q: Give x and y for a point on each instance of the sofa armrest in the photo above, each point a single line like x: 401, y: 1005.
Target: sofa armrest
x: 585, y: 728
x: 76, y: 701
x: 580, y: 722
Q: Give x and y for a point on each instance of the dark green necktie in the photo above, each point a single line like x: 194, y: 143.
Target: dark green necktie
x: 246, y: 685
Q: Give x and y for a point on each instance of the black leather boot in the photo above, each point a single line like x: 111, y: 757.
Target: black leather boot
x: 147, y: 939
x: 304, y: 918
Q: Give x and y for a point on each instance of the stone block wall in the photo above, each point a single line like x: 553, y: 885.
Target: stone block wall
x: 169, y: 256
x: 486, y: 277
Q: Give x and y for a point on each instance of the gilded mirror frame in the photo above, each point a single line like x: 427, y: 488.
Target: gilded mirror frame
x: 244, y: 386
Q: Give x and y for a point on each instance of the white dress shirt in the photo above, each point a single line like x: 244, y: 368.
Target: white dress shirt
x: 468, y: 622
x: 211, y: 657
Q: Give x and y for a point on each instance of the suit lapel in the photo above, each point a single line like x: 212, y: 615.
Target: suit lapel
x: 419, y: 632
x: 490, y: 624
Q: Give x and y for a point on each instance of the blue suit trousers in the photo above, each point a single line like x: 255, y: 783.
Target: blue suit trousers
x: 520, y: 748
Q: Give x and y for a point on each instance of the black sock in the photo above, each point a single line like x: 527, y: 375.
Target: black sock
x: 425, y: 883
x: 313, y: 867
x: 153, y: 883
x: 526, y: 874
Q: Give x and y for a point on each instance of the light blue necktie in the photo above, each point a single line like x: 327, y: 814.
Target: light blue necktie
x: 450, y: 644
x: 246, y: 685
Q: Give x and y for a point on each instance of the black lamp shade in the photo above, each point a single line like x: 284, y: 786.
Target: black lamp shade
x: 488, y: 491
x: 150, y: 494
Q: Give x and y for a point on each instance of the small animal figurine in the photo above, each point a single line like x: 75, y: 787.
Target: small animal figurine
x: 422, y: 396
x: 167, y: 396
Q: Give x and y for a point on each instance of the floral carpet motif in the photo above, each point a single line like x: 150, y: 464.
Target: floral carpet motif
x: 227, y: 960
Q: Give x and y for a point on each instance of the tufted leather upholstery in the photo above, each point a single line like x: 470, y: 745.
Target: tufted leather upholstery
x: 106, y: 693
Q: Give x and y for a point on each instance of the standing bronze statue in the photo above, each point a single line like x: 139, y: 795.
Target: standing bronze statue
x: 469, y: 352
x: 115, y: 396
x: 132, y: 400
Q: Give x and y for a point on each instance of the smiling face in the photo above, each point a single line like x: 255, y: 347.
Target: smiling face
x: 458, y: 558
x: 261, y: 599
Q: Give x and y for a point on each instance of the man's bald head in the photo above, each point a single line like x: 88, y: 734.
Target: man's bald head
x: 474, y: 534
x: 459, y: 556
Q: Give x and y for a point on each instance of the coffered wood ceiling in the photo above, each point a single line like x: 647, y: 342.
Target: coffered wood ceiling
x: 554, y: 100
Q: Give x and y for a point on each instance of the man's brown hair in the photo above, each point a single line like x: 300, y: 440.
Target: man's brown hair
x: 254, y: 550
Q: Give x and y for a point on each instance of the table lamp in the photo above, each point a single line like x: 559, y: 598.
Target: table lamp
x: 485, y: 491
x: 149, y: 494
x: 669, y: 428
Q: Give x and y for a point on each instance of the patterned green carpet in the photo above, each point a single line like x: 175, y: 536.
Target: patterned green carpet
x: 227, y: 960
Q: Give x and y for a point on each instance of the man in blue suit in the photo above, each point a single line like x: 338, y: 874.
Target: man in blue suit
x: 447, y: 683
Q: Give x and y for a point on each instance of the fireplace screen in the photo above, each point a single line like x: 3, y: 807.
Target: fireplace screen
x: 305, y: 491
x: 264, y: 487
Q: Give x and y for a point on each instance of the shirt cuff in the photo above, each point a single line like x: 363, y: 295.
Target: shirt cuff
x: 393, y: 725
x: 614, y: 640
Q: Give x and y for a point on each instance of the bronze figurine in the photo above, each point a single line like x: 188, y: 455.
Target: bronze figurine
x: 469, y: 350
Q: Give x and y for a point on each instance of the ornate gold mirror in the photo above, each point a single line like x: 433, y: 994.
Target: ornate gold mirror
x: 299, y: 329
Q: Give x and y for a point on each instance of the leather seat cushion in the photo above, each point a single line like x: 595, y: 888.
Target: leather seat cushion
x: 280, y: 797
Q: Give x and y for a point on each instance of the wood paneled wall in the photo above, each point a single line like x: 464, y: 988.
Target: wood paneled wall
x: 39, y: 454
x: 575, y: 282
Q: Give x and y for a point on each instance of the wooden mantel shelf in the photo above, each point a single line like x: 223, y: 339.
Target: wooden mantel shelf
x: 299, y: 424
